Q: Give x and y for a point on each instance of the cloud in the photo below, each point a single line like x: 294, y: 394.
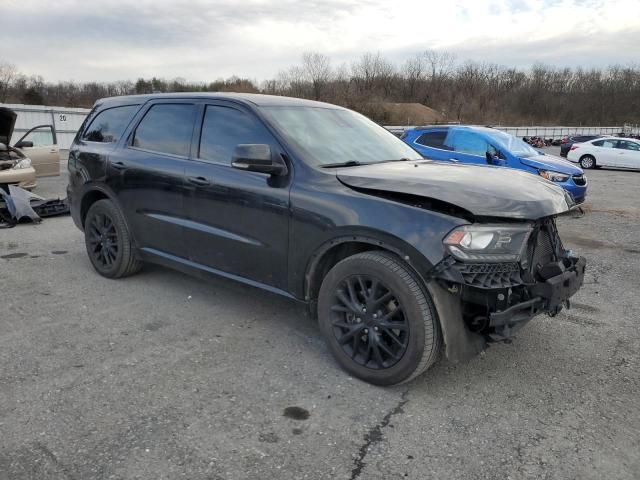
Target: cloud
x: 204, y: 40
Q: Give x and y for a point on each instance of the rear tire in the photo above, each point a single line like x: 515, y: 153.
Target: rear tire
x: 587, y: 162
x: 108, y: 241
x: 379, y: 322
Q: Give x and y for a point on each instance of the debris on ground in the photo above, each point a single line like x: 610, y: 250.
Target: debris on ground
x: 18, y: 205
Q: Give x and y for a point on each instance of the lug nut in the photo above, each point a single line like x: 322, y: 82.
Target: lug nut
x: 364, y: 310
x: 375, y: 315
x: 366, y: 330
x: 358, y: 320
x: 375, y: 328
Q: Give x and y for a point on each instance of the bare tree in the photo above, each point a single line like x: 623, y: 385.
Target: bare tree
x: 8, y: 74
x: 316, y: 69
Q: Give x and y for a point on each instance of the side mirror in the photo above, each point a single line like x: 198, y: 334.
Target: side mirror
x: 495, y: 158
x: 23, y: 144
x: 257, y: 158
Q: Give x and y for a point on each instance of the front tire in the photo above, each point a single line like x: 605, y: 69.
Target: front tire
x: 587, y: 162
x: 108, y: 241
x: 379, y: 322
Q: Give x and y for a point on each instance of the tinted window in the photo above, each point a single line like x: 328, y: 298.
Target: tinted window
x: 223, y: 128
x: 166, y: 128
x: 470, y: 143
x: 434, y: 139
x: 583, y: 138
x: 109, y: 124
x: 626, y: 145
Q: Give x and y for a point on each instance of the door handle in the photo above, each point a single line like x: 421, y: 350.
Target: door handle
x: 118, y: 165
x: 454, y: 160
x: 201, y: 181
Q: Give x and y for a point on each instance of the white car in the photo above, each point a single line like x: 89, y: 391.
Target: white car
x: 606, y: 152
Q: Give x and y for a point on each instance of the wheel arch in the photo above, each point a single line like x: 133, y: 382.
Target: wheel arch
x: 91, y: 195
x: 332, y: 251
x: 460, y: 344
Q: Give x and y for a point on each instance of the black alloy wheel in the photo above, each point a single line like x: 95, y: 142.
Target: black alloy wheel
x: 378, y: 319
x: 103, y: 240
x: 108, y: 241
x: 368, y: 322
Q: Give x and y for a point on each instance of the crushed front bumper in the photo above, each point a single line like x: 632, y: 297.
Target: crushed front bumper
x: 498, y: 299
x: 547, y: 296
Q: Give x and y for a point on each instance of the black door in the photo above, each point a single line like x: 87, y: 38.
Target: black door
x: 238, y: 221
x: 148, y: 175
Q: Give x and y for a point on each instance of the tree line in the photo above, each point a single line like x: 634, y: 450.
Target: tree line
x: 469, y: 92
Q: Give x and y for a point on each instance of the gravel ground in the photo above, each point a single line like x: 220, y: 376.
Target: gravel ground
x: 161, y: 376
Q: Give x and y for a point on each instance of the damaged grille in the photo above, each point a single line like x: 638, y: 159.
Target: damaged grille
x: 491, y: 275
x: 541, y: 250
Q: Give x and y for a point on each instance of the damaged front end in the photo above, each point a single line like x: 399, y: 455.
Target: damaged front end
x: 507, y: 274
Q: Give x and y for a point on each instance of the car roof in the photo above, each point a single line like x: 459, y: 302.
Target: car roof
x: 254, y: 99
x: 477, y: 128
x: 614, y: 138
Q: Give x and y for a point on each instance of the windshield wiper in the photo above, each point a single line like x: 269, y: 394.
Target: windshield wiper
x: 350, y: 163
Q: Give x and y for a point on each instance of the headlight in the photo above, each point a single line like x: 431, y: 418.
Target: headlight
x: 24, y: 163
x: 488, y: 243
x: 554, y: 176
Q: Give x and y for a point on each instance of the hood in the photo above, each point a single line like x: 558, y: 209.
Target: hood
x: 7, y: 122
x: 483, y: 191
x: 552, y: 163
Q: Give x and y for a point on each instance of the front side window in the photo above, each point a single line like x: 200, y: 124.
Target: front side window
x: 325, y: 136
x: 166, y: 128
x: 223, y: 128
x: 40, y: 137
x: 109, y: 124
x: 470, y: 143
x: 626, y: 145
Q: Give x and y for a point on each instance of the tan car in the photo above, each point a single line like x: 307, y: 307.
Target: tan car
x: 35, y: 154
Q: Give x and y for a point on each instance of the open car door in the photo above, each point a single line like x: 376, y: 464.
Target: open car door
x: 41, y: 146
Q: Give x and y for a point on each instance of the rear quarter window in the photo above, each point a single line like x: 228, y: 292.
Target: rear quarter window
x: 109, y: 125
x: 435, y: 139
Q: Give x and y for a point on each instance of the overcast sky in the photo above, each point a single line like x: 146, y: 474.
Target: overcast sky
x: 203, y: 40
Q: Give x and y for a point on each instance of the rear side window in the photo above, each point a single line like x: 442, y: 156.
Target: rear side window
x: 166, y: 128
x: 108, y: 125
x: 434, y: 139
x: 223, y: 128
x: 605, y: 143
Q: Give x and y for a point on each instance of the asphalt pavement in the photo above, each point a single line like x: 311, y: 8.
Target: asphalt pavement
x: 164, y: 376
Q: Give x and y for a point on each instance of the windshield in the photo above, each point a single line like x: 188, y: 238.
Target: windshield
x: 329, y: 136
x: 512, y: 144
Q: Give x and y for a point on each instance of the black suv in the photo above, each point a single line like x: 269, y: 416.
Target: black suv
x: 565, y: 143
x: 394, y: 253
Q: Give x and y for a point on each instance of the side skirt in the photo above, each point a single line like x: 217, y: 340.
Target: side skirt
x: 193, y: 268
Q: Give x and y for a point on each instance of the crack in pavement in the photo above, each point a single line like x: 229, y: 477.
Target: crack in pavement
x: 51, y: 456
x: 374, y: 435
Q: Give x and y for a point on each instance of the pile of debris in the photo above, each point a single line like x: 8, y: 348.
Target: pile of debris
x: 17, y: 205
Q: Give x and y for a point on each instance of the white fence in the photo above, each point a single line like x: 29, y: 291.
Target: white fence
x: 559, y: 132
x: 66, y: 121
